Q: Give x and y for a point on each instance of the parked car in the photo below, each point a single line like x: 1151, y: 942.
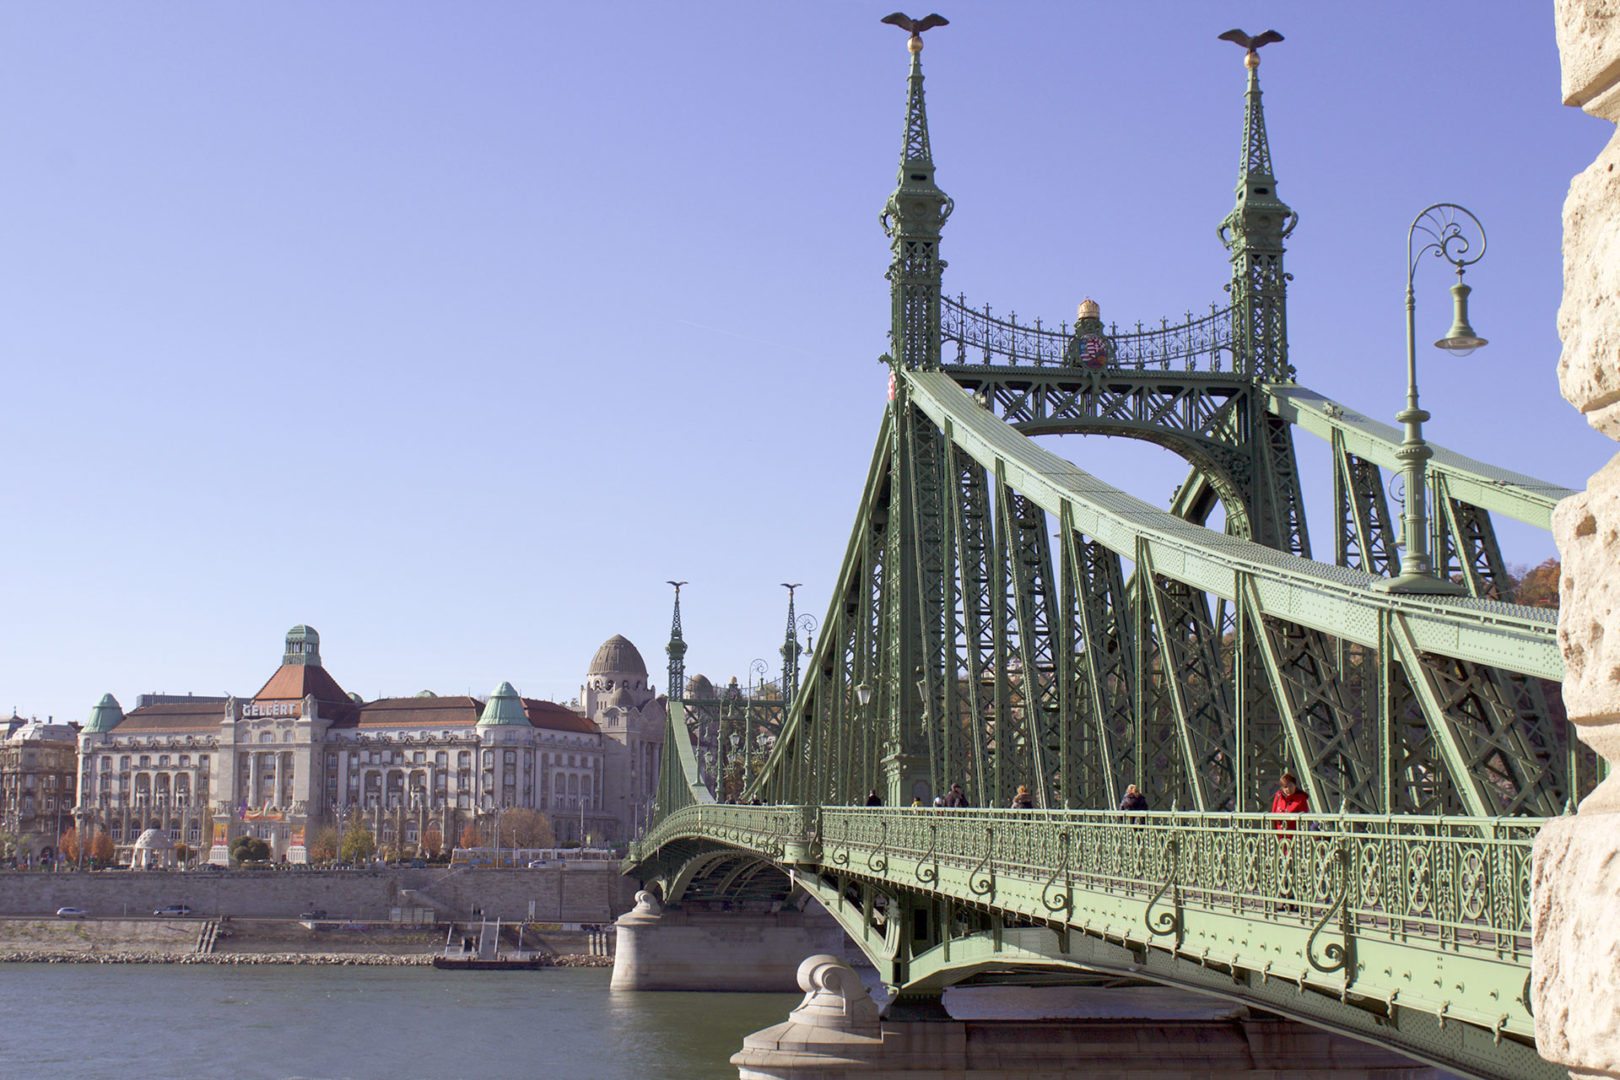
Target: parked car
x: 313, y: 913
x: 71, y: 913
x: 173, y: 910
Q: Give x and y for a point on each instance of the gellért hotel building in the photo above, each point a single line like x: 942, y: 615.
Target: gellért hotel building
x: 302, y: 753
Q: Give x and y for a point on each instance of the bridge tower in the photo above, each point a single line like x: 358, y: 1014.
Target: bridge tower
x: 791, y: 650
x: 677, y: 650
x: 1253, y: 233
x: 913, y: 218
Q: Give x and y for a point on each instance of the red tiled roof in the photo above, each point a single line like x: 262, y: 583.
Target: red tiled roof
x: 456, y: 711
x: 549, y: 714
x: 439, y: 712
x: 172, y: 716
x: 294, y: 682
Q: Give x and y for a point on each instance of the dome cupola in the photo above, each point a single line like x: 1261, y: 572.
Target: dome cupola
x: 617, y: 657
x: 107, y: 715
x: 303, y: 646
x: 504, y: 707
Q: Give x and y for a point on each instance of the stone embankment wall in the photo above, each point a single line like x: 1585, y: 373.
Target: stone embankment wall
x: 1576, y: 977
x: 592, y: 893
x: 253, y: 941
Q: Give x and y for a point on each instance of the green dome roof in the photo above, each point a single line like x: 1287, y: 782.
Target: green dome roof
x: 107, y: 715
x: 504, y: 707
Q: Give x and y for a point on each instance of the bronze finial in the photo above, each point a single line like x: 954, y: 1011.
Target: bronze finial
x: 1253, y: 44
x: 915, y: 27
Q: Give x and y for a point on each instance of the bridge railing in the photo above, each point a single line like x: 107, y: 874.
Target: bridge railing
x: 1440, y: 883
x: 975, y: 336
x: 1449, y: 881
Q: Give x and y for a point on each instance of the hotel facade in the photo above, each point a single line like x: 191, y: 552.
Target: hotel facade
x: 301, y: 754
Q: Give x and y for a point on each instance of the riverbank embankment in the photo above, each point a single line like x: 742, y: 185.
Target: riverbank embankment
x: 257, y: 941
x: 582, y: 892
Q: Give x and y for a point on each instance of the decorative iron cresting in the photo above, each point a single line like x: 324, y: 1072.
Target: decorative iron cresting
x: 977, y: 337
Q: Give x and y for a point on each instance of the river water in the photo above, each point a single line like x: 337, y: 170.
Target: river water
x: 117, y: 1022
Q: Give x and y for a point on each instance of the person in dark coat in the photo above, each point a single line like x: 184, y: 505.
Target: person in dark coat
x: 1134, y: 799
x: 873, y: 798
x: 1023, y: 800
x: 955, y: 798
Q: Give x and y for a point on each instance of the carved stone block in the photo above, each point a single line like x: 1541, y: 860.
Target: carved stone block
x: 1589, y: 48
x: 1589, y: 315
x: 1576, y: 968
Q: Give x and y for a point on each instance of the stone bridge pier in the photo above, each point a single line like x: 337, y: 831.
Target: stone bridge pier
x: 1142, y: 1033
x: 1576, y: 888
x: 841, y: 1031
x: 693, y: 947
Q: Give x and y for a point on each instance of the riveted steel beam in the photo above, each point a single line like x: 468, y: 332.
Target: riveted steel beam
x: 1336, y: 600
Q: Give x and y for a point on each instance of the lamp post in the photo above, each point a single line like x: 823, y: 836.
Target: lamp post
x: 1447, y: 231
x: 757, y: 670
x: 863, y: 698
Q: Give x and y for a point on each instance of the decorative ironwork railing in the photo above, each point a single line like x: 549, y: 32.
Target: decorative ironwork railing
x: 1435, y: 883
x: 975, y: 336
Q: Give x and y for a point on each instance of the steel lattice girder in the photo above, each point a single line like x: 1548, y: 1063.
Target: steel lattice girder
x: 1335, y: 600
x: 1488, y: 487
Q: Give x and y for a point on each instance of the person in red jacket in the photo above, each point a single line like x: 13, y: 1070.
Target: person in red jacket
x: 1289, y: 799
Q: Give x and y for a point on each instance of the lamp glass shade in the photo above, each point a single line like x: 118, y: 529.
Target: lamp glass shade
x: 863, y: 694
x: 1460, y: 340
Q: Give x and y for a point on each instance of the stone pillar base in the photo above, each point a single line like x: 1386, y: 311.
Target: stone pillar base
x: 681, y: 949
x: 1139, y: 1034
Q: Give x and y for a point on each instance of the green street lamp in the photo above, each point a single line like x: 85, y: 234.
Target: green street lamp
x: 1449, y: 230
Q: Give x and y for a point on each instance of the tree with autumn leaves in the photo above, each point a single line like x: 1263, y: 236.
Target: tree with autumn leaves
x: 1536, y: 586
x: 518, y: 828
x: 100, y: 852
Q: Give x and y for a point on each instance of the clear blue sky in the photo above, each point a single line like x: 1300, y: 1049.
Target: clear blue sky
x: 455, y: 329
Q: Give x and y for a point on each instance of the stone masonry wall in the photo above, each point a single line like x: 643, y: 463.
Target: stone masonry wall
x: 1576, y: 887
x: 592, y: 894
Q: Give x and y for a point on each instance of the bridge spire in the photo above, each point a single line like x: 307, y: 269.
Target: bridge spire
x: 912, y: 219
x: 1254, y: 232
x: 676, y: 650
x: 790, y: 649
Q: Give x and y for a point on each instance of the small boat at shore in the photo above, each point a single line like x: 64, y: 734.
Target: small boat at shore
x: 482, y: 951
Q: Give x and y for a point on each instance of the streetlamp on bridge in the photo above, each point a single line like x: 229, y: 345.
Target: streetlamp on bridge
x: 1448, y: 231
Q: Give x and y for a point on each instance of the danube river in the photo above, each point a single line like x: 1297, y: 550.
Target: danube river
x: 116, y: 1021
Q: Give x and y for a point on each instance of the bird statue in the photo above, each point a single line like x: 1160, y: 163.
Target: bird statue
x: 915, y: 27
x: 1252, y: 44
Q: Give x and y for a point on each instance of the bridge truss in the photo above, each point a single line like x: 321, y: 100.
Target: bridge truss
x: 1003, y: 619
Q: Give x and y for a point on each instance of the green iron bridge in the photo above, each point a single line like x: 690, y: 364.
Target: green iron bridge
x: 1004, y: 618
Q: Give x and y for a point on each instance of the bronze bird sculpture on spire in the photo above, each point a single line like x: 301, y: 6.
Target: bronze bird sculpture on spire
x: 915, y: 27
x: 1253, y: 44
